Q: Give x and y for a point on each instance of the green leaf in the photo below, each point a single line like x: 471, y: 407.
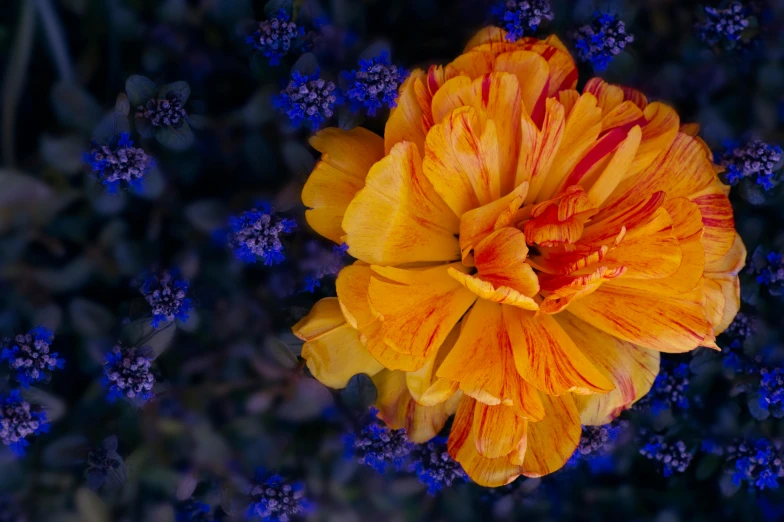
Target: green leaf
x: 306, y: 402
x: 141, y: 333
x: 207, y: 215
x: 53, y: 406
x: 23, y: 200
x: 181, y: 89
x: 75, y: 107
x: 90, y: 319
x: 71, y: 277
x: 175, y: 139
x: 708, y: 466
x: 360, y: 392
x: 67, y: 451
x: 140, y: 89
x: 90, y: 506
x: 279, y: 352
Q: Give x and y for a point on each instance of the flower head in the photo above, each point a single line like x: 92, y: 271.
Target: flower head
x: 760, y: 463
x: 521, y: 258
x: 119, y: 162
x: 724, y: 26
x: 102, y: 460
x: 167, y: 298
x: 378, y: 447
x: 255, y: 234
x: 275, y: 500
x: 166, y: 112
x: 771, y: 391
x: 597, y: 443
x: 28, y: 355
x: 375, y: 84
x: 128, y: 373
x: 600, y: 40
x: 19, y: 420
x: 434, y: 467
x: 321, y: 263
x: 756, y: 160
x: 672, y: 456
x: 522, y: 17
x: 308, y: 99
x: 275, y: 37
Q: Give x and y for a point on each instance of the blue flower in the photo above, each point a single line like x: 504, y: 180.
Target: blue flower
x: 771, y: 391
x: 756, y: 160
x: 308, y: 99
x: 673, y: 457
x: 119, y: 162
x: 29, y: 356
x: 724, y: 26
x: 600, y: 40
x: 759, y: 463
x: 128, y: 374
x: 255, y: 235
x: 669, y: 390
x: 19, y: 420
x: 275, y: 37
x: 165, y: 113
x: 193, y: 511
x: 769, y: 269
x: 434, y: 467
x: 522, y: 17
x: 596, y: 445
x: 274, y: 500
x: 377, y: 446
x: 101, y: 460
x: 375, y: 84
x: 167, y: 298
x: 322, y: 263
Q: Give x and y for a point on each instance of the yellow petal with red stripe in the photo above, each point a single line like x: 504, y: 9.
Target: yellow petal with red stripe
x: 552, y: 440
x: 405, y: 120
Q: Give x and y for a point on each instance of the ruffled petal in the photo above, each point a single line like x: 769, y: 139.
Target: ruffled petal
x: 497, y: 430
x: 405, y: 120
x: 552, y: 440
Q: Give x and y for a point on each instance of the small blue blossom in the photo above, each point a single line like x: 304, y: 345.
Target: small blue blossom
x: 756, y: 160
x: 167, y: 298
x: 193, y: 511
x: 724, y: 26
x: 434, y: 467
x: 28, y: 355
x: 674, y: 457
x: 734, y: 358
x: 596, y: 445
x: 128, y: 374
x: 165, y: 113
x: 101, y: 461
x: 274, y: 500
x: 759, y: 463
x: 308, y: 99
x: 321, y: 263
x: 255, y: 235
x: 377, y: 446
x: 275, y: 37
x: 522, y: 17
x: 600, y: 40
x: 669, y: 390
x: 19, y: 420
x: 375, y: 84
x: 769, y: 269
x: 771, y: 391
x: 119, y: 162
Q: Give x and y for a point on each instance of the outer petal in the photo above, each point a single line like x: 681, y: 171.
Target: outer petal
x: 497, y: 430
x: 632, y: 369
x: 547, y: 358
x: 405, y: 120
x: 553, y: 440
x: 398, y: 218
x: 346, y: 159
x: 717, y: 219
x: 424, y: 386
x: 533, y: 74
x: 332, y: 348
x: 399, y: 410
x: 658, y: 322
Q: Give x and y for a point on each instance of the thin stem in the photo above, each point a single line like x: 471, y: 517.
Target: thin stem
x: 57, y: 44
x: 153, y: 334
x: 15, y: 78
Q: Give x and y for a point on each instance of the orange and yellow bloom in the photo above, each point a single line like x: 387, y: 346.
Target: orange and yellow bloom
x: 525, y: 251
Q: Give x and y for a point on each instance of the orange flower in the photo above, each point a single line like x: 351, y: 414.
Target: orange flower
x: 525, y: 252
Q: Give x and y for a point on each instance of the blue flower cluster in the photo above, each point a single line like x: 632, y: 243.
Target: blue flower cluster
x: 308, y: 99
x: 275, y: 37
x: 255, y: 235
x: 375, y: 84
x: 596, y: 445
x: 769, y: 269
x: 669, y: 390
x: 600, y: 40
x: 321, y: 263
x: 274, y: 500
x: 128, y: 374
x: 771, y: 391
x: 724, y: 26
x: 434, y: 467
x: 756, y: 160
x: 759, y: 463
x: 378, y: 447
x: 19, y: 420
x: 673, y: 457
x: 167, y: 298
x: 193, y: 511
x: 119, y: 162
x: 29, y: 357
x: 163, y: 113
x: 522, y: 17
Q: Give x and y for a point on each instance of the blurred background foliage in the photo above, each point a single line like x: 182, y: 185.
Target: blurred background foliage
x: 231, y: 394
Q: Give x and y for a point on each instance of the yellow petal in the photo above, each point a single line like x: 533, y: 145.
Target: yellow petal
x: 609, y: 96
x: 730, y: 263
x: 552, y: 440
x: 547, y: 358
x: 332, y: 349
x: 533, y: 73
x: 609, y: 178
x: 497, y: 430
x: 657, y: 135
x: 423, y: 384
x: 398, y: 218
x: 500, y: 260
x: 722, y: 300
x: 717, y: 219
x: 539, y: 150
x: 632, y: 369
x: 405, y: 120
